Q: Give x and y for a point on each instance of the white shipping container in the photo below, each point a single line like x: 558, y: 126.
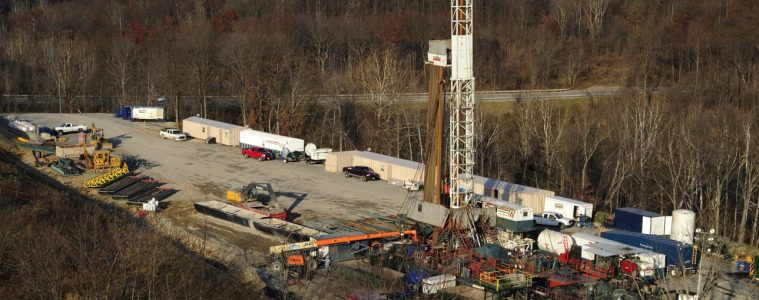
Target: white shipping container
x: 654, y: 225
x: 274, y: 142
x: 667, y: 225
x: 147, y: 113
x: 569, y: 208
x: 434, y: 284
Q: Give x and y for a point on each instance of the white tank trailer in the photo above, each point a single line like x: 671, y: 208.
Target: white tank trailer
x: 683, y: 226
x: 555, y: 242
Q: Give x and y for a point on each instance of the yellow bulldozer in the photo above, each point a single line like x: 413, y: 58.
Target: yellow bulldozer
x: 100, y: 160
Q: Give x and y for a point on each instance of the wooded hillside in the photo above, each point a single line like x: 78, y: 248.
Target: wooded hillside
x: 692, y: 144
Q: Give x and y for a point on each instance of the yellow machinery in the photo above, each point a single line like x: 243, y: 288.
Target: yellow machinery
x: 107, y: 178
x: 100, y: 159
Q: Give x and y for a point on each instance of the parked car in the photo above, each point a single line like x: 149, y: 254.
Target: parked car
x: 363, y: 172
x: 257, y: 153
x: 68, y: 127
x: 553, y: 219
x: 174, y: 134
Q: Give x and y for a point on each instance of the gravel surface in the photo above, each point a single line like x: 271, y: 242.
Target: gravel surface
x: 204, y: 172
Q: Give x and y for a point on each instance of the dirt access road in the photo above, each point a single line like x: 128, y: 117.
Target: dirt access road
x: 204, y: 172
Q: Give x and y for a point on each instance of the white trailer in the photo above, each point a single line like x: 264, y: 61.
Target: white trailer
x: 147, y: 113
x: 282, y: 146
x: 569, y: 208
x: 316, y: 155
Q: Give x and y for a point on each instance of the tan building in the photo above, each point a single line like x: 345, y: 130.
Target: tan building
x: 224, y: 133
x: 523, y: 195
x: 336, y: 161
x: 390, y: 168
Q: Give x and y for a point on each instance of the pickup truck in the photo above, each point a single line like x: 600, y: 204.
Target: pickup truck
x: 553, y: 219
x: 257, y: 153
x: 174, y: 134
x: 363, y: 172
x: 68, y: 127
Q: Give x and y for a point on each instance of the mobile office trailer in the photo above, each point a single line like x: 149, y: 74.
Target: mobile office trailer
x: 523, y: 195
x: 205, y: 129
x: 569, y: 208
x: 390, y: 168
x: 281, y: 145
x: 678, y: 256
x: 510, y: 216
x: 641, y: 221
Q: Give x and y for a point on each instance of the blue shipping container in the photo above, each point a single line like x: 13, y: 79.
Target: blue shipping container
x: 631, y: 219
x: 677, y: 254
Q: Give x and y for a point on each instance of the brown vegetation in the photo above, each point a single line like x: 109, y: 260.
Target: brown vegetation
x: 691, y: 145
x: 57, y: 244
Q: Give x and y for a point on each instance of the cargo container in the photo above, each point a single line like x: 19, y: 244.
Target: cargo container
x: 205, y: 129
x: 334, y: 162
x: 638, y: 220
x: 390, y: 168
x: 147, y: 113
x: 523, y: 195
x: 569, y: 208
x: 510, y: 216
x: 678, y: 256
x: 282, y: 146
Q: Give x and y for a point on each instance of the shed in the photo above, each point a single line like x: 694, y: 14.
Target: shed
x: 523, y: 195
x: 224, y: 133
x: 390, y: 168
x: 335, y: 161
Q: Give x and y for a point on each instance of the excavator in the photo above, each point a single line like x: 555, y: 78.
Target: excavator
x: 249, y: 198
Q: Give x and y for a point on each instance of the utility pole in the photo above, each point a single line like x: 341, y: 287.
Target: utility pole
x: 461, y: 105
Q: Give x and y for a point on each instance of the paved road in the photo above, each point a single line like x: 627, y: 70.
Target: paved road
x: 481, y: 96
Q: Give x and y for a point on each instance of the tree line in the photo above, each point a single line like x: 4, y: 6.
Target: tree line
x: 686, y: 141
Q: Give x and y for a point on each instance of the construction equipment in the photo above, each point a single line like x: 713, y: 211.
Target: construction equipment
x: 249, y: 198
x: 66, y: 167
x: 100, y: 159
x: 107, y: 178
x: 308, y: 250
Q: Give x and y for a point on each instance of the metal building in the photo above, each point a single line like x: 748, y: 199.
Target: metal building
x: 224, y: 133
x: 523, y: 195
x: 336, y: 161
x: 390, y: 168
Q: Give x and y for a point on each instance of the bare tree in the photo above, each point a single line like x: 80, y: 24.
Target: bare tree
x: 120, y: 63
x: 69, y: 63
x: 595, y: 11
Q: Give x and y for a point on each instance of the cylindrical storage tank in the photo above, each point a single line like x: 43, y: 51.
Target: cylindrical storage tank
x: 683, y: 226
x: 554, y: 242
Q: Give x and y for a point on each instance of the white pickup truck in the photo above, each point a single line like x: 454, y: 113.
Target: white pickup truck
x: 174, y: 134
x: 553, y: 219
x: 68, y: 127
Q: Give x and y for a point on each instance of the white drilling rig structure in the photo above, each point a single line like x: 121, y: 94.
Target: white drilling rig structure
x: 461, y: 153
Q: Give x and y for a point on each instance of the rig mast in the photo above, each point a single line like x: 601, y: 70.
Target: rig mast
x: 461, y: 153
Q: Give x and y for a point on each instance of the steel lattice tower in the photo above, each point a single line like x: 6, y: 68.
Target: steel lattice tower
x: 461, y: 104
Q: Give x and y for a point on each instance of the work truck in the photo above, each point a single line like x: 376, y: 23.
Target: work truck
x: 553, y: 219
x: 174, y: 134
x: 68, y: 127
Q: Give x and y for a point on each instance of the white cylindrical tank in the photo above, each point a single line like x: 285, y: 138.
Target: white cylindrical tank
x: 554, y: 242
x: 683, y: 226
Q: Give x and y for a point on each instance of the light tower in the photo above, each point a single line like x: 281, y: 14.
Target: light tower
x: 461, y: 105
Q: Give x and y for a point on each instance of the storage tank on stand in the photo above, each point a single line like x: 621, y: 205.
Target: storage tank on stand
x: 683, y: 226
x: 555, y: 242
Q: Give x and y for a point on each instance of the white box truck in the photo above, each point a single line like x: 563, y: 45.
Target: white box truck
x: 284, y: 147
x: 569, y: 208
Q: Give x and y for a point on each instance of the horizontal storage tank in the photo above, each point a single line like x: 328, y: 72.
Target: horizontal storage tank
x: 683, y: 226
x: 336, y: 161
x: 274, y: 142
x: 676, y: 253
x: 554, y: 242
